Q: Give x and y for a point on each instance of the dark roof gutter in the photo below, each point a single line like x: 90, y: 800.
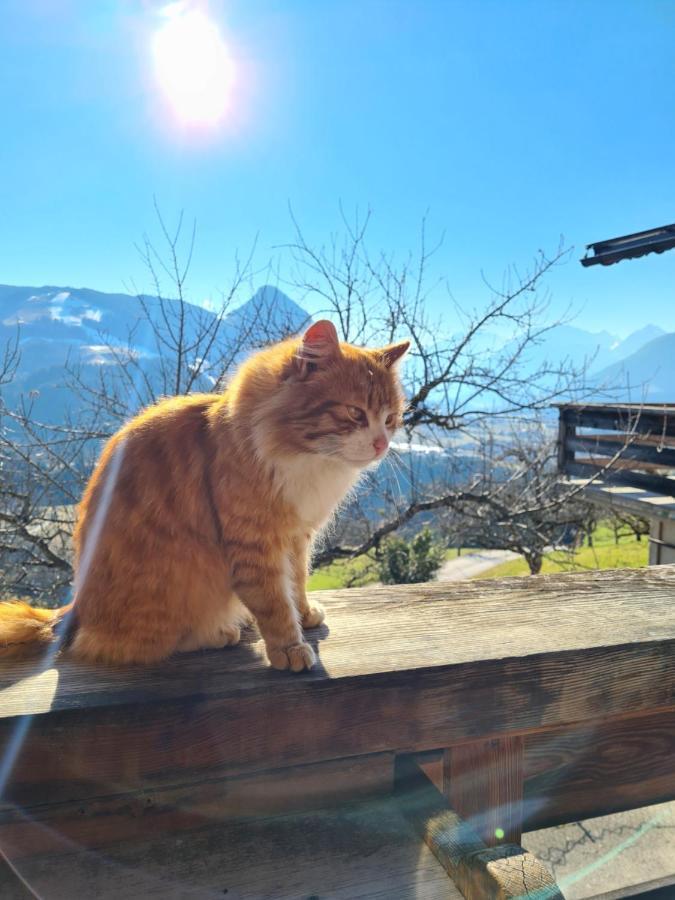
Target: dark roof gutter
x: 656, y: 240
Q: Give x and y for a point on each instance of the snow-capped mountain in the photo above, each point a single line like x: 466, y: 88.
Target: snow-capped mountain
x: 92, y: 328
x: 591, y: 350
x: 646, y: 375
x: 57, y: 325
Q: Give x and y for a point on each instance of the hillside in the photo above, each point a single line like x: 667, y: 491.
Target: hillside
x: 594, y: 351
x: 93, y: 329
x: 646, y: 375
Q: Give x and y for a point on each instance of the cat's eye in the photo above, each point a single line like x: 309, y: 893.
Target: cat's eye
x: 390, y: 421
x: 357, y: 414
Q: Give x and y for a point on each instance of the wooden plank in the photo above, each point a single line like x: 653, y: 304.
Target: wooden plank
x: 634, y: 500
x: 645, y: 420
x: 618, y: 475
x: 600, y: 446
x: 483, y: 783
x: 366, y: 852
x: 104, y: 820
x: 480, y: 873
x: 402, y: 669
x: 379, y: 631
x: 598, y: 768
x: 73, y: 755
x: 591, y: 769
x: 566, y: 432
x: 634, y: 440
x: 625, y: 465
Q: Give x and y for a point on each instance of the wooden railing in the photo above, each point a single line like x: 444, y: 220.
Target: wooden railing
x: 620, y: 444
x: 477, y: 709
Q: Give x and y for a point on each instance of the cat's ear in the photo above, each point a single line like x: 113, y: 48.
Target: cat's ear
x: 319, y: 346
x: 393, y: 353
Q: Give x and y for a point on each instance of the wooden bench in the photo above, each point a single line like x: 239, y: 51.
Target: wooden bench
x: 460, y: 713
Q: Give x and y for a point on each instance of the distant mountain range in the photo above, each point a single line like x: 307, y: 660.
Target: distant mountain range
x: 90, y: 327
x: 647, y: 375
x: 95, y: 329
x: 640, y: 367
x: 593, y: 350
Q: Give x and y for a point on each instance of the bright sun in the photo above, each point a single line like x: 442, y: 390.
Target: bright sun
x: 193, y: 66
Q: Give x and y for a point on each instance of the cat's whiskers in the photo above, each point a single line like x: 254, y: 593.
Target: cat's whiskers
x: 393, y: 461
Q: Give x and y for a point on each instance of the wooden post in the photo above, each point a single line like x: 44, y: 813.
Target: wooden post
x: 506, y: 872
x: 655, y: 527
x: 483, y: 783
x: 566, y: 431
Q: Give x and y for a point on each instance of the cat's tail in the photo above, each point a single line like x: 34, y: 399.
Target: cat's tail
x: 26, y: 630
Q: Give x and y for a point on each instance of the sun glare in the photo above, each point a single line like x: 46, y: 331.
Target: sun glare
x: 193, y: 66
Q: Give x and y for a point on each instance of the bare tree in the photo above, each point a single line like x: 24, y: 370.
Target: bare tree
x: 525, y: 507
x: 174, y: 347
x: 188, y: 346
x: 469, y: 378
x: 468, y: 369
x: 625, y: 524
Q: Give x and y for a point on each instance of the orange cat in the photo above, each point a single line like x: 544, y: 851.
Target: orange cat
x: 202, y: 510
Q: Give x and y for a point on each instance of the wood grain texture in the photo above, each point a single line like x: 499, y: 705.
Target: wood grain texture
x: 480, y: 872
x: 364, y: 853
x: 104, y: 821
x: 601, y: 445
x: 483, y: 783
x: 380, y: 631
x: 90, y: 753
x: 591, y: 769
x: 598, y: 768
x: 409, y: 668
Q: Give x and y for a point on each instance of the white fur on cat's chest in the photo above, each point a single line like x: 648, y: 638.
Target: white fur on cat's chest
x: 315, y: 486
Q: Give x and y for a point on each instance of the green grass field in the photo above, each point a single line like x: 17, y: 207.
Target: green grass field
x: 352, y: 573
x: 345, y: 573
x: 629, y: 553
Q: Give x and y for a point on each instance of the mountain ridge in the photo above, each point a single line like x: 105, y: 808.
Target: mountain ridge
x: 647, y: 375
x: 57, y: 325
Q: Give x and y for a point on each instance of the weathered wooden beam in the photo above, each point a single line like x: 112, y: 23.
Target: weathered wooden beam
x: 589, y: 769
x: 634, y: 440
x: 106, y: 820
x: 648, y: 420
x: 407, y: 668
x: 599, y: 446
x: 92, y: 753
x: 619, y: 475
x: 480, y: 872
x: 483, y: 783
x: 595, y: 768
x: 566, y: 431
x: 365, y: 850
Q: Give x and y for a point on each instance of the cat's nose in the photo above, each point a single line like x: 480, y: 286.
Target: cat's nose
x: 380, y: 444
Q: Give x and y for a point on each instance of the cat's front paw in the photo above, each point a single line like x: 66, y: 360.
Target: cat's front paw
x: 297, y: 657
x: 314, y: 616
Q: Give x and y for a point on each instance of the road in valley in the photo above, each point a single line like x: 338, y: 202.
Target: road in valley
x: 474, y: 563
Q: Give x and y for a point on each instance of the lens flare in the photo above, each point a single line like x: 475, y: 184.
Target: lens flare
x: 193, y: 66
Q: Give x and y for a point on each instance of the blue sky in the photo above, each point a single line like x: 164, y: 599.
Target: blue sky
x: 513, y: 123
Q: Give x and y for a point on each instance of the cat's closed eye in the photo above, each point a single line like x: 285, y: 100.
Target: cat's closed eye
x: 357, y: 414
